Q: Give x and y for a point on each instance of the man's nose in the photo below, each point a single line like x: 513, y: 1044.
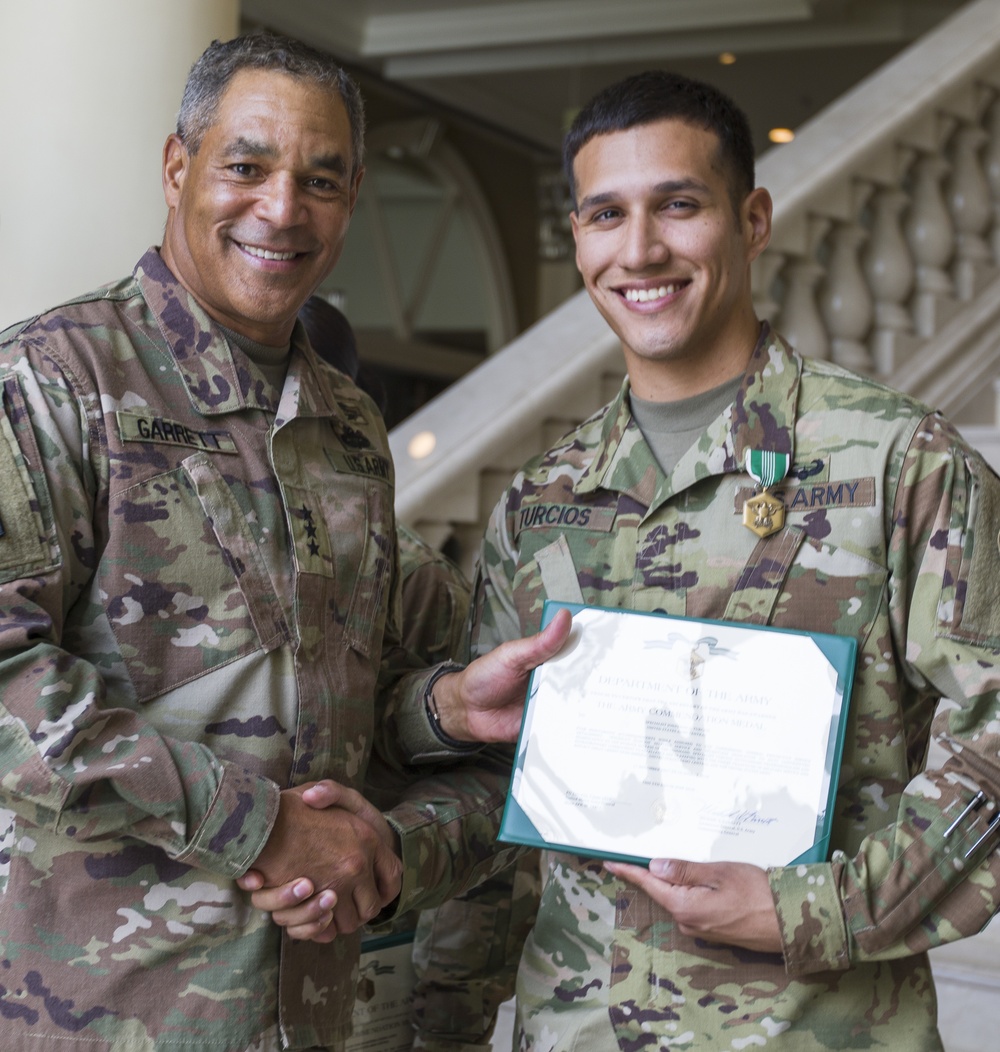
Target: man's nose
x: 644, y: 244
x: 281, y: 201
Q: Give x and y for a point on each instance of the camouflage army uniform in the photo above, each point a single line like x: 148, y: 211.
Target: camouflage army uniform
x: 891, y: 537
x: 435, y: 598
x: 466, y: 951
x: 198, y: 589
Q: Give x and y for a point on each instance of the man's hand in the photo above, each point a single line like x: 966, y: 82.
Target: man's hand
x: 332, y: 848
x: 726, y: 902
x: 483, y: 703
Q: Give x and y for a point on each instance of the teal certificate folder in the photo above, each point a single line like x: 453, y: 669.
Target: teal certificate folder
x: 655, y: 736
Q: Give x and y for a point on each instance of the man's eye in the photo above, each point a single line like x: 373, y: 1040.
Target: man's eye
x: 319, y: 183
x: 242, y: 168
x: 605, y: 215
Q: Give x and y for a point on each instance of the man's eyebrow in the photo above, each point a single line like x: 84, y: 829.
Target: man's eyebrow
x: 331, y: 162
x: 671, y: 186
x: 241, y: 146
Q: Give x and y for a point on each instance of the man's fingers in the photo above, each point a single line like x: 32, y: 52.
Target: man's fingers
x: 252, y: 880
x: 285, y: 896
x: 317, y: 911
x: 525, y: 654
x: 325, y: 931
x: 552, y: 637
x: 321, y: 795
x: 327, y: 793
x: 686, y: 874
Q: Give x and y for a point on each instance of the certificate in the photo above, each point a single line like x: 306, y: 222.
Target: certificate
x: 384, y: 995
x: 651, y: 736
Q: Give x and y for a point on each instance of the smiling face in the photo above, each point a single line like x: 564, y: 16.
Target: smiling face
x: 665, y: 256
x: 258, y: 216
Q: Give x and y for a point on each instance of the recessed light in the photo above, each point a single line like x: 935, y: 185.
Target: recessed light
x: 422, y: 445
x: 781, y: 135
x: 727, y: 58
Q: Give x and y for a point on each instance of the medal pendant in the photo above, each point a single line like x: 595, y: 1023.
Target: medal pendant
x: 763, y: 514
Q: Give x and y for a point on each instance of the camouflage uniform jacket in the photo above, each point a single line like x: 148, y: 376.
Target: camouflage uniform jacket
x: 198, y: 590
x: 891, y: 537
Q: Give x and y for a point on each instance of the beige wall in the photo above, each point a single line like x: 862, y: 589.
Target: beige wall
x: 88, y: 92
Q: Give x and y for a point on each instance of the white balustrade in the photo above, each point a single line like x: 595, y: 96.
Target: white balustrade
x: 968, y: 196
x: 846, y: 302
x: 890, y: 272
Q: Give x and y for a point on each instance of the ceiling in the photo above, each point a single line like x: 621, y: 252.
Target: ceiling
x: 521, y: 67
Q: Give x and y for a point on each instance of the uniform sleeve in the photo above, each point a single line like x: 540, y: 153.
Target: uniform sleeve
x: 466, y: 955
x: 932, y: 874
x: 74, y: 757
x: 448, y: 823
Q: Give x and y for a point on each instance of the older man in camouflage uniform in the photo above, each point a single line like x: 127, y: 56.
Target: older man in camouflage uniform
x: 198, y: 605
x: 890, y: 536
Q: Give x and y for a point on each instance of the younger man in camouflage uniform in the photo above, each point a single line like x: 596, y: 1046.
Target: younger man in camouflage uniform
x: 199, y: 606
x: 890, y: 536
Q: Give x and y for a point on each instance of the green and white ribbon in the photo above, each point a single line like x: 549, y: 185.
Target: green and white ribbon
x: 767, y: 468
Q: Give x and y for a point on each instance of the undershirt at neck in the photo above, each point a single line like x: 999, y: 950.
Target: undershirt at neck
x: 671, y: 428
x: 272, y: 361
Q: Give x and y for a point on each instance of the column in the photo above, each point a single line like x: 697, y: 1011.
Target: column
x: 88, y: 93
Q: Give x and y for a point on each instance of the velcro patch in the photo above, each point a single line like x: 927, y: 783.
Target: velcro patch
x: 828, y: 496
x: 138, y: 427
x: 23, y: 544
x: 981, y: 609
x: 565, y: 516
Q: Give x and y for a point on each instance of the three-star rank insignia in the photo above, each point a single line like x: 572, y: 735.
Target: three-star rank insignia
x: 764, y: 513
x: 312, y: 544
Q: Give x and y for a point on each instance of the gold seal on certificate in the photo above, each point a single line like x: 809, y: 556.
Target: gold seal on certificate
x: 653, y: 736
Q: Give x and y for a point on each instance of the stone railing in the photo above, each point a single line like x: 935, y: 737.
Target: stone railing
x: 887, y: 217
x: 884, y: 256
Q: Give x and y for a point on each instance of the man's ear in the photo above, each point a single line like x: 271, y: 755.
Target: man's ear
x: 176, y: 160
x: 756, y: 221
x: 574, y: 222
x: 355, y: 187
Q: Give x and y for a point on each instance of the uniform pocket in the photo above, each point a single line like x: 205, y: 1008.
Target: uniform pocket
x: 187, y: 590
x: 831, y: 589
x: 345, y: 535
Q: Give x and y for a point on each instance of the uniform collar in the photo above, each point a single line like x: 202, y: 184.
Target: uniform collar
x: 218, y: 377
x: 762, y: 416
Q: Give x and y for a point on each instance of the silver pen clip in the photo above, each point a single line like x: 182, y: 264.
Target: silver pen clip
x: 993, y: 826
x: 973, y: 805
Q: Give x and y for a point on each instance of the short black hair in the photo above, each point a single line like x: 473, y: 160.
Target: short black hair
x: 222, y: 60
x: 659, y: 95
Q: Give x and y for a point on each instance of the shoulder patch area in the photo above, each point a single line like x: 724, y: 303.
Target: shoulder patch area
x: 979, y: 571
x: 24, y: 547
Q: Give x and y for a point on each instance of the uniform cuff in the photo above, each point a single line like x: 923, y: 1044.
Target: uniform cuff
x: 813, y: 932
x: 420, y: 741
x: 234, y: 831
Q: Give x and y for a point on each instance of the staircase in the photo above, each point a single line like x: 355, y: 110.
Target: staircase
x: 885, y: 256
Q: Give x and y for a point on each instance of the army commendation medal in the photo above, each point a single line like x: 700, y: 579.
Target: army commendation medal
x: 764, y: 513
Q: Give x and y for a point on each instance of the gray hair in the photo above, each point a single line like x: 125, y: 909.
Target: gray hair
x: 211, y: 74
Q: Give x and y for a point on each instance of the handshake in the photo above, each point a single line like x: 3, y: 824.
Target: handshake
x: 332, y: 862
